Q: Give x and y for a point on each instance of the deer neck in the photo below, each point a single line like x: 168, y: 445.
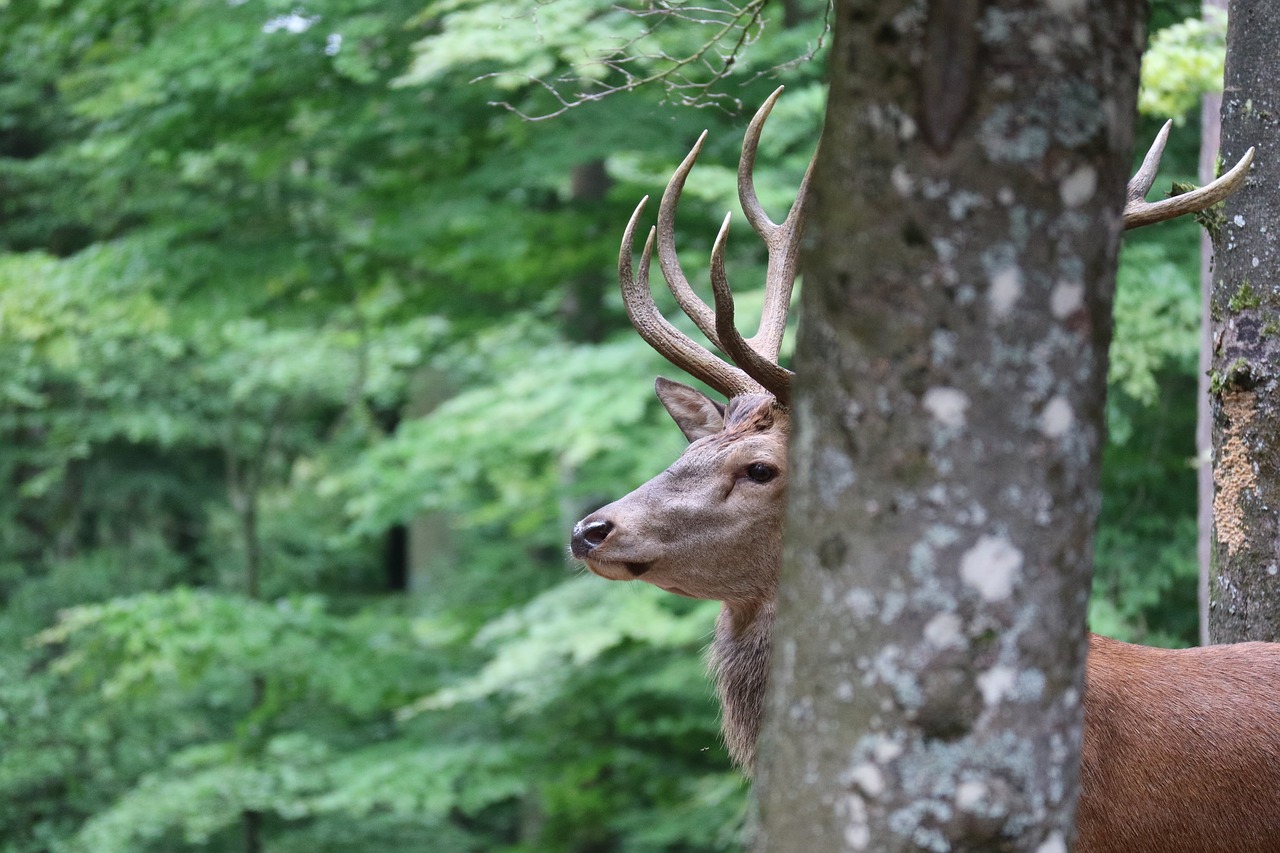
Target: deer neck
x: 739, y: 663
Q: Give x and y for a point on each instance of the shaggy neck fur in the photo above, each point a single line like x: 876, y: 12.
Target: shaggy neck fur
x: 739, y: 662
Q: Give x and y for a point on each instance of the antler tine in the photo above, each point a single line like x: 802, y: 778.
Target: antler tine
x: 1139, y: 212
x: 768, y: 373
x: 667, y: 340
x: 783, y: 241
x: 689, y: 302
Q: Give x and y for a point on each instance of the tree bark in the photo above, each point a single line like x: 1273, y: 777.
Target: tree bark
x: 927, y: 674
x: 1210, y: 132
x: 1244, y: 595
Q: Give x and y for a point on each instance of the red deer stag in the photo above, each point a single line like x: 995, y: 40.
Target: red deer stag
x: 1181, y: 748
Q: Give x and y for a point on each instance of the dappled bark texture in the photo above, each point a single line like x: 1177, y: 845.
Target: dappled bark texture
x: 926, y: 678
x: 1245, y: 380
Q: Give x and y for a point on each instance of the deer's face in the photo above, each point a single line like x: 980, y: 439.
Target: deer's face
x: 710, y: 526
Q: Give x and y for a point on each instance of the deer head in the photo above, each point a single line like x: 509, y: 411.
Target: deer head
x: 710, y: 526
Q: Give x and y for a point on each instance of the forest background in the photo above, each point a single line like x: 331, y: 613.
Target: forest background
x: 312, y: 353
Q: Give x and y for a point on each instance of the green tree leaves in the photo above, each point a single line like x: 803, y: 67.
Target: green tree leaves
x: 1182, y: 63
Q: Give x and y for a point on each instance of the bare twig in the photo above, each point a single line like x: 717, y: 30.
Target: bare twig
x: 689, y: 80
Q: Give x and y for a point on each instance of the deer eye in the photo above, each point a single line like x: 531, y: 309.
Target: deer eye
x: 760, y: 472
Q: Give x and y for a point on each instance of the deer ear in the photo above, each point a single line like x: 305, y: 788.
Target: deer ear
x: 695, y: 413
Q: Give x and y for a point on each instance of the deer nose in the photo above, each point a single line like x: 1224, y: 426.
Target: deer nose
x: 587, y: 535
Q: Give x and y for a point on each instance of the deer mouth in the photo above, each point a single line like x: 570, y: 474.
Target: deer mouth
x: 617, y: 570
x: 623, y: 570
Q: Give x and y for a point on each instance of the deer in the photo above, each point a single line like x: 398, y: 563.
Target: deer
x: 1181, y: 748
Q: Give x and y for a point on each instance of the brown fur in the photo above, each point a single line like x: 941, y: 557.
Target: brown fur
x: 1181, y: 748
x: 739, y: 663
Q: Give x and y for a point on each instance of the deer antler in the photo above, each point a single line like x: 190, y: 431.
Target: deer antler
x: 756, y: 358
x: 1139, y: 212
x: 755, y: 368
x: 783, y: 241
x: 672, y: 344
x: 773, y: 377
x: 697, y: 311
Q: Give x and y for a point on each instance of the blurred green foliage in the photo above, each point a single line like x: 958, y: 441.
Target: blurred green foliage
x: 280, y: 289
x: 1182, y: 63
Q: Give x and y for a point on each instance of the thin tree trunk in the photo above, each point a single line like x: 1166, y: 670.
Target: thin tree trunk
x: 585, y: 319
x: 244, y: 482
x: 252, y: 545
x: 1210, y: 126
x: 927, y: 674
x: 247, y: 506
x: 432, y: 551
x: 251, y: 821
x: 1245, y: 592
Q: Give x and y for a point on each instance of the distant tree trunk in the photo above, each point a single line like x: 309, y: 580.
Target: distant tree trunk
x: 1210, y: 128
x: 244, y: 487
x: 252, y: 826
x: 583, y: 307
x: 956, y: 315
x: 1245, y: 593
x: 431, y: 550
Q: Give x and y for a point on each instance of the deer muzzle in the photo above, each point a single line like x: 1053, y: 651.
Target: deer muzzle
x: 589, y: 535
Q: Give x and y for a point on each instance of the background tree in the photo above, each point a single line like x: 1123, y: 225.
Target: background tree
x: 952, y: 364
x: 1245, y: 602
x: 1210, y: 136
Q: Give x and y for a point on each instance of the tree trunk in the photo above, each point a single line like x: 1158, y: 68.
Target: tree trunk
x: 1210, y: 127
x: 1244, y: 599
x: 583, y: 309
x: 244, y: 481
x: 432, y: 551
x: 926, y: 680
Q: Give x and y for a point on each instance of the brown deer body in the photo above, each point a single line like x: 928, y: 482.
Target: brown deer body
x: 1181, y: 748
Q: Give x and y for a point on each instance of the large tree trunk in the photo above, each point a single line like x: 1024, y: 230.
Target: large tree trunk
x: 926, y: 679
x: 1245, y: 592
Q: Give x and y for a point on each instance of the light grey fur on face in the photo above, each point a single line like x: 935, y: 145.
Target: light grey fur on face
x: 710, y: 527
